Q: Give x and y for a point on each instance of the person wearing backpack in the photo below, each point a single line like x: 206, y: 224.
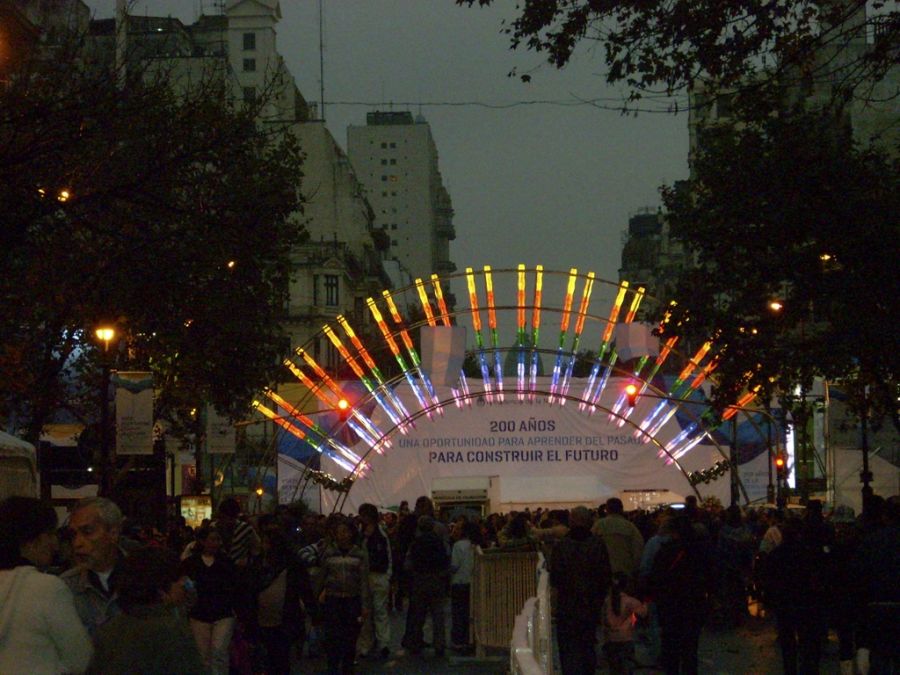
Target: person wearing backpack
x: 681, y: 583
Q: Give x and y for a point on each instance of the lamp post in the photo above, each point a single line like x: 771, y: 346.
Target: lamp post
x: 865, y: 477
x: 105, y: 334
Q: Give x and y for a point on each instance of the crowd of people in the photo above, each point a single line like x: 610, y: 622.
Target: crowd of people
x: 255, y: 595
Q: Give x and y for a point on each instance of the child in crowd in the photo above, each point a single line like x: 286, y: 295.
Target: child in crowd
x: 620, y: 612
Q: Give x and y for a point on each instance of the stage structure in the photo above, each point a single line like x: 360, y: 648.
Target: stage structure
x: 560, y: 375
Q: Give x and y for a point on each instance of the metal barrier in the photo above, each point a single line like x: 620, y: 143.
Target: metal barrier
x: 501, y: 583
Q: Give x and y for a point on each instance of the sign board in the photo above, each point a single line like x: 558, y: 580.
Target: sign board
x: 537, y: 450
x: 134, y: 412
x: 220, y: 433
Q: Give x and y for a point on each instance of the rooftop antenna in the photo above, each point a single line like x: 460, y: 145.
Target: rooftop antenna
x: 322, y: 57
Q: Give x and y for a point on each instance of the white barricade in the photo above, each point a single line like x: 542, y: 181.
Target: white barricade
x: 531, y: 648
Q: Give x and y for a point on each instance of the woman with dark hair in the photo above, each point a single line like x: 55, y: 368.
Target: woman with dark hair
x: 150, y: 636
x: 216, y: 580
x: 40, y: 631
x: 516, y: 536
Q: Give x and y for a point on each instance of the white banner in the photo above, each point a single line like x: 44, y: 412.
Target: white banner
x: 134, y: 412
x: 290, y: 485
x: 220, y: 433
x: 537, y: 452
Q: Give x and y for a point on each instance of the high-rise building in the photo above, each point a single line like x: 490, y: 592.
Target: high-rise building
x: 339, y: 264
x: 396, y: 159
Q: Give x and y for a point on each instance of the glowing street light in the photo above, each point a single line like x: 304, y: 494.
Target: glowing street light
x: 776, y: 305
x: 105, y: 334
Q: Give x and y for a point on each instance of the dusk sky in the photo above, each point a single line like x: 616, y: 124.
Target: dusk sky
x: 534, y: 183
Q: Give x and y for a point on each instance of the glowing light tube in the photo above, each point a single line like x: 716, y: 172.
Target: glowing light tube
x: 349, y: 464
x: 563, y: 330
x: 426, y: 304
x: 373, y: 368
x: 698, y: 380
x: 672, y: 445
x: 367, y: 383
x: 492, y: 325
x: 439, y: 296
x: 588, y: 395
x: 579, y: 327
x: 620, y: 402
x: 479, y: 341
x: 645, y: 382
x: 411, y: 350
x: 742, y: 402
x: 688, y: 447
x: 445, y: 318
x: 613, y: 357
x: 520, y: 333
x: 675, y: 391
x: 635, y: 303
x: 395, y: 350
x: 311, y: 424
x: 368, y: 431
x: 536, y: 328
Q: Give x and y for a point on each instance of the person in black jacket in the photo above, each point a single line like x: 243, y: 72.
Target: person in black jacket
x: 681, y: 582
x: 795, y: 579
x: 378, y: 626
x: 212, y: 617
x: 580, y: 573
x: 429, y: 566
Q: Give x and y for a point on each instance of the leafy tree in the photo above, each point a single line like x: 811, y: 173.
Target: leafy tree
x: 168, y: 211
x: 787, y: 208
x: 663, y: 46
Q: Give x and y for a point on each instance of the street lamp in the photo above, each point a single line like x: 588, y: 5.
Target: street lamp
x: 105, y: 334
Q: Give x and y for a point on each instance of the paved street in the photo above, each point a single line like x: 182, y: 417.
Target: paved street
x: 748, y: 650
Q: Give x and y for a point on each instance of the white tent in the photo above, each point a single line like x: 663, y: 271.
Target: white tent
x: 18, y: 467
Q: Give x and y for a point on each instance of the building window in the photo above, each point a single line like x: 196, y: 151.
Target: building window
x: 249, y: 65
x: 394, y: 179
x: 393, y: 226
x: 331, y: 290
x: 393, y: 242
x: 249, y: 94
x: 333, y: 358
x: 384, y: 145
x: 383, y: 177
x: 384, y: 162
x: 393, y: 161
x: 393, y: 145
x: 249, y: 42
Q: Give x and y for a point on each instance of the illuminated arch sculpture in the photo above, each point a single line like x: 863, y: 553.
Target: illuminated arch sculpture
x: 390, y: 334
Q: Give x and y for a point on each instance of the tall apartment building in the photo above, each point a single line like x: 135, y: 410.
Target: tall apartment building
x: 396, y: 160
x: 651, y: 258
x: 339, y: 265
